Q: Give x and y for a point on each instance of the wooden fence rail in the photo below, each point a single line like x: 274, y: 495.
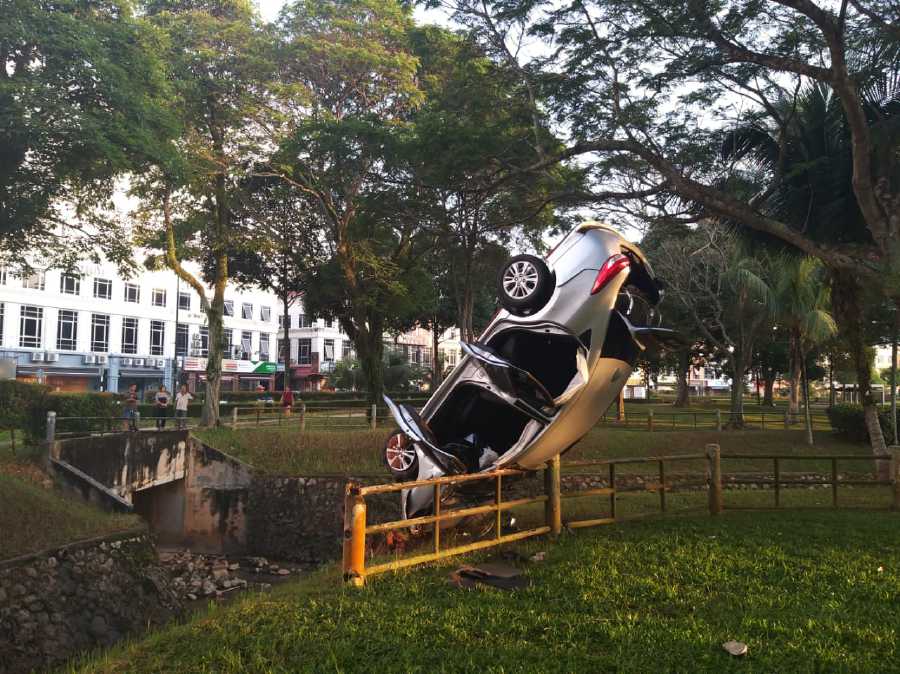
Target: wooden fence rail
x: 357, y: 527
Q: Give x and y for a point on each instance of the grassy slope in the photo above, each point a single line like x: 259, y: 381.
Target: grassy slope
x: 35, y: 516
x: 287, y: 451
x: 803, y: 590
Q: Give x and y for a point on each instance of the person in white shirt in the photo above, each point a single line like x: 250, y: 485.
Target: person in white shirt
x: 182, y: 398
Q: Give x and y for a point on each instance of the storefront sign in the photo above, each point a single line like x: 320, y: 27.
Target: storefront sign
x: 232, y: 366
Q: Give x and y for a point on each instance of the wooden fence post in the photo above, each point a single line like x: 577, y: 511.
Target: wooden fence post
x: 374, y: 416
x: 234, y: 416
x: 718, y: 420
x: 650, y: 420
x: 354, y: 558
x: 552, y: 486
x: 714, y: 467
x: 787, y: 420
x: 302, y: 416
x: 895, y: 475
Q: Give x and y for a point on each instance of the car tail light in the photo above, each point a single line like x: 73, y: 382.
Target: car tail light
x: 610, y: 268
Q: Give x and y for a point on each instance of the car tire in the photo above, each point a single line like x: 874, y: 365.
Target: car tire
x: 524, y: 285
x: 400, y: 456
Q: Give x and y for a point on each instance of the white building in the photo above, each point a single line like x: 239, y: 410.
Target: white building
x: 98, y: 331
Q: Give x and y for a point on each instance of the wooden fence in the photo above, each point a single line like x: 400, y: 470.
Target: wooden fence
x: 357, y: 528
x: 651, y: 420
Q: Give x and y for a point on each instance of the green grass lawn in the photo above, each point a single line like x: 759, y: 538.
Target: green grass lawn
x: 35, y: 515
x: 807, y: 591
x: 287, y: 451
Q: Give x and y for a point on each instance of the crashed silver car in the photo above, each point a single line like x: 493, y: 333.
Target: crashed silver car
x: 548, y: 365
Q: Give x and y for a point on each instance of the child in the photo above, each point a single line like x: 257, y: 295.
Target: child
x: 182, y: 398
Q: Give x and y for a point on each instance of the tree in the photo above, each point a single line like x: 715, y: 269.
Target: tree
x: 475, y: 125
x: 280, y: 243
x: 81, y: 103
x: 801, y: 303
x: 722, y: 290
x: 220, y: 69
x: 350, y: 64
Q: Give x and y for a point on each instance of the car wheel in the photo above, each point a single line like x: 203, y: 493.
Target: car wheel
x: 400, y: 456
x: 525, y: 284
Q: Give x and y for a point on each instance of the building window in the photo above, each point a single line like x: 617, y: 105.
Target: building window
x: 247, y: 311
x: 2, y: 316
x: 99, y: 333
x: 229, y: 307
x: 184, y: 301
x: 31, y: 326
x: 227, y: 336
x: 2, y: 276
x: 347, y: 350
x: 181, y: 340
x: 67, y: 330
x: 158, y: 297
x: 132, y: 293
x: 304, y: 353
x: 302, y: 321
x: 281, y: 350
x: 157, y: 338
x: 129, y: 335
x: 35, y: 281
x: 69, y: 284
x: 265, y: 314
x: 281, y: 321
x: 204, y: 341
x: 329, y: 350
x: 246, y: 341
x: 263, y: 346
x: 103, y: 288
x: 329, y: 323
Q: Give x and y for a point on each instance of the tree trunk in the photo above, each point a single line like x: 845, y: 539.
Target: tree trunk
x: 739, y: 369
x: 796, y: 376
x: 769, y: 389
x: 682, y: 392
x: 806, y: 411
x: 846, y: 299
x: 210, y: 414
x: 285, y: 302
x: 370, y: 350
x: 894, y: 337
x: 436, y: 374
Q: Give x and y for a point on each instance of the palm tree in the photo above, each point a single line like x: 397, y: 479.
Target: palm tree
x: 801, y: 302
x: 803, y: 170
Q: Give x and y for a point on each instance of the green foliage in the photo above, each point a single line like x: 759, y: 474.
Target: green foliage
x: 849, y: 421
x: 81, y: 101
x: 17, y: 400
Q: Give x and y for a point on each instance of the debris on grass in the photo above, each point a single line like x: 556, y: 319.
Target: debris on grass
x: 735, y: 648
x: 492, y: 574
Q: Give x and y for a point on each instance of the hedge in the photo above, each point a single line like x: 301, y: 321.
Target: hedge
x: 17, y: 400
x: 849, y: 421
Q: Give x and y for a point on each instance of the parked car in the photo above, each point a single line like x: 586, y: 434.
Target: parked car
x: 547, y: 366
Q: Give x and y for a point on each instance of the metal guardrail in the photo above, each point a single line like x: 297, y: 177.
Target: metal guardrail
x: 357, y: 528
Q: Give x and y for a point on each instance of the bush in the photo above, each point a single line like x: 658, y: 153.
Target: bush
x: 17, y: 399
x: 849, y: 422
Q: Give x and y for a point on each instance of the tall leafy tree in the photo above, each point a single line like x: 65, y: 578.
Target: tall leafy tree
x: 354, y: 77
x: 82, y: 89
x: 220, y: 68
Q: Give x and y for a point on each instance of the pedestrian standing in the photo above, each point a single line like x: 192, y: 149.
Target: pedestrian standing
x: 162, y: 402
x: 182, y: 399
x: 287, y: 402
x: 130, y: 407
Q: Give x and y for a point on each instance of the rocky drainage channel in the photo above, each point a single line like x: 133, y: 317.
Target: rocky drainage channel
x: 199, y: 576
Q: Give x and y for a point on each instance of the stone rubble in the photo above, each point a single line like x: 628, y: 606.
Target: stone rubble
x: 196, y: 575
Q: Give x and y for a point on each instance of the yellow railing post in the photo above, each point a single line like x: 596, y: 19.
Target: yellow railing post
x: 498, y: 490
x: 552, y: 485
x: 437, y: 515
x: 354, y: 559
x: 714, y: 463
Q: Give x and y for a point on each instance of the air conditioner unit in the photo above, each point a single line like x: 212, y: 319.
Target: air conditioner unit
x: 51, y: 357
x: 160, y: 362
x: 37, y: 356
x: 102, y: 359
x: 127, y: 362
x: 139, y: 362
x: 90, y: 359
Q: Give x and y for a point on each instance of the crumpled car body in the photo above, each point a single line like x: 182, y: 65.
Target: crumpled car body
x: 541, y: 375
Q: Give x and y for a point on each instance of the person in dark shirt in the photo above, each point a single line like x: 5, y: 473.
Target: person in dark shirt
x: 161, y: 400
x: 130, y: 407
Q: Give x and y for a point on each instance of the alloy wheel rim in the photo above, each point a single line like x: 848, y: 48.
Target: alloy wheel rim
x: 520, y: 279
x: 400, y: 456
